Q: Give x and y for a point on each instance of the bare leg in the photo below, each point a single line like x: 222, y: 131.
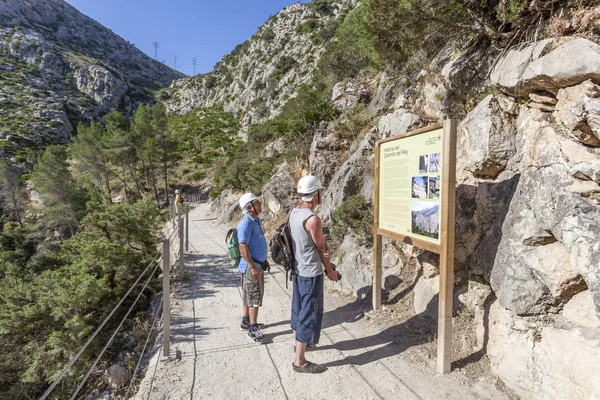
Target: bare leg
x: 253, y: 312
x: 300, y: 354
x: 245, y: 311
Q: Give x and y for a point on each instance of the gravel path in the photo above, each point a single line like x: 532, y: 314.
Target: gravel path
x: 219, y: 361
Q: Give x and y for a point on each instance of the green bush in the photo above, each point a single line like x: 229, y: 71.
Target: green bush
x: 308, y: 26
x: 355, y: 214
x: 354, y: 122
x: 353, y: 48
x: 321, y: 6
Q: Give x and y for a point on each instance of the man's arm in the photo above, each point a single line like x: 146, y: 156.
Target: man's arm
x: 314, y: 227
x: 246, y: 256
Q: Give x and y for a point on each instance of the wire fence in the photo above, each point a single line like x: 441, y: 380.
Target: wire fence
x: 170, y: 245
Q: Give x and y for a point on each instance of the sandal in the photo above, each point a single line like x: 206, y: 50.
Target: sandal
x: 309, y: 368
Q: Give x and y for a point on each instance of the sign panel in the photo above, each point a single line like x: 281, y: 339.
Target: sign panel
x: 410, y: 185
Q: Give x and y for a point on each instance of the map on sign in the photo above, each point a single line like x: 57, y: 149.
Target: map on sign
x: 410, y: 185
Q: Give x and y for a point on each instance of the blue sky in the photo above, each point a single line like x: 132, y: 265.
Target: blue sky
x: 204, y: 29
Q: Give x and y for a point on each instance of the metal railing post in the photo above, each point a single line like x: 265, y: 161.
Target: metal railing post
x: 166, y: 299
x: 180, y: 221
x: 187, y: 228
x: 172, y: 213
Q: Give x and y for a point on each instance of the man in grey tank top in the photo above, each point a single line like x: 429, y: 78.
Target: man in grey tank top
x: 311, y: 254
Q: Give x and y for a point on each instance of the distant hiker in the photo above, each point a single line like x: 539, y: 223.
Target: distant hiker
x: 254, y: 251
x: 311, y: 254
x: 179, y: 200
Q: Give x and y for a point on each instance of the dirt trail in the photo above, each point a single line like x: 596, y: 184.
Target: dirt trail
x: 219, y: 361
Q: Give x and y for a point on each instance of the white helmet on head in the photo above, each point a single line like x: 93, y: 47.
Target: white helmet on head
x: 176, y: 191
x: 309, y: 184
x: 245, y: 199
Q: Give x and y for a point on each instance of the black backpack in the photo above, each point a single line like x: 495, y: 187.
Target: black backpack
x: 282, y: 251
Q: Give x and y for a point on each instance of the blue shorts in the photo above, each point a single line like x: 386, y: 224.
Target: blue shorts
x: 307, y: 308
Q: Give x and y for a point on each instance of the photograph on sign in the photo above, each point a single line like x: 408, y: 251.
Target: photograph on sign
x: 426, y: 219
x: 434, y: 187
x: 410, y: 185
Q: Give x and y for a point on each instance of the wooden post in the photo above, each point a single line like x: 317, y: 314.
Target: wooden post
x: 187, y: 228
x: 444, y: 356
x: 180, y: 222
x: 377, y: 240
x: 166, y: 299
x: 172, y: 213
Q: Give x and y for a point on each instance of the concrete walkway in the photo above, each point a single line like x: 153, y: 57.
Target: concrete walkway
x: 219, y: 361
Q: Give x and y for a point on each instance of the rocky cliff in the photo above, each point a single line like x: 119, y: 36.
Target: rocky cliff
x: 57, y: 67
x: 527, y: 249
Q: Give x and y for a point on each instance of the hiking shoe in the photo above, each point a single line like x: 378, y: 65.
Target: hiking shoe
x: 245, y: 326
x: 309, y: 368
x: 257, y: 336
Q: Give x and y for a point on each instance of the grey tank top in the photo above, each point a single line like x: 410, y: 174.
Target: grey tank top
x: 307, y: 260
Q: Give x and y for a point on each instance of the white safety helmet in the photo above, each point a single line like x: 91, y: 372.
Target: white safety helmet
x: 245, y: 199
x: 176, y: 191
x: 309, y: 184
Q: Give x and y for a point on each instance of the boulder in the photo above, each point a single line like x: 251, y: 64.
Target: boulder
x: 355, y: 267
x: 509, y: 70
x: 578, y: 110
x: 116, y: 376
x: 399, y: 122
x: 537, y: 361
x: 541, y: 65
x: 425, y: 292
x: 486, y: 140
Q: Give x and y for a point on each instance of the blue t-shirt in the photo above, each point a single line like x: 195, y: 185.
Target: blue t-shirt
x: 249, y: 231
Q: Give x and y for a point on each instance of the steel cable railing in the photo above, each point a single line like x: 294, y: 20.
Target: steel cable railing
x: 170, y: 240
x: 87, y: 375
x: 76, y: 356
x: 137, y: 366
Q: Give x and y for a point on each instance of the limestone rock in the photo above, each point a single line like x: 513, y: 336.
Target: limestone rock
x: 578, y: 110
x: 485, y: 140
x: 279, y: 194
x: 355, y: 277
x: 385, y: 91
x: 397, y: 123
x: 541, y: 65
x: 355, y: 176
x: 325, y: 151
x: 551, y: 264
x: 543, y: 362
x: 508, y: 72
x: 346, y: 95
x: 537, y: 213
x: 581, y: 311
x: 542, y: 99
x: 425, y: 296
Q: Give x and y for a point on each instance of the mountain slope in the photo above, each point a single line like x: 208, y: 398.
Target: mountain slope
x: 59, y: 66
x: 261, y: 74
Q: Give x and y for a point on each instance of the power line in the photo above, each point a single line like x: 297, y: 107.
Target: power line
x: 194, y: 63
x: 156, y: 46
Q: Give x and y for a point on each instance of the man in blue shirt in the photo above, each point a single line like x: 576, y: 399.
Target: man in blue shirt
x: 254, y: 251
